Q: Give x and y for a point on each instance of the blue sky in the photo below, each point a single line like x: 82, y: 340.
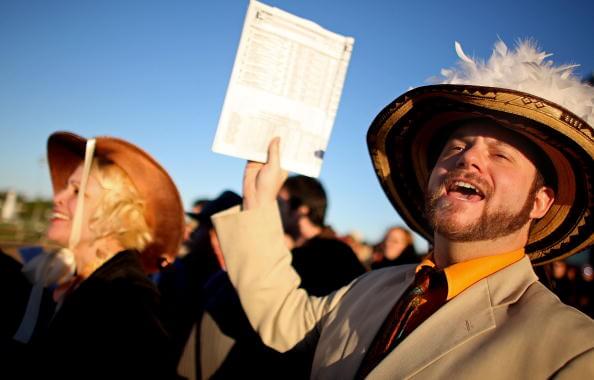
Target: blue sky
x: 156, y: 73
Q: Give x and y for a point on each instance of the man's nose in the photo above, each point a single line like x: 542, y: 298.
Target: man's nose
x: 471, y: 158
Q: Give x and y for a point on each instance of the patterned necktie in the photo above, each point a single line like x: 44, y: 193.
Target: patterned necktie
x: 427, y: 294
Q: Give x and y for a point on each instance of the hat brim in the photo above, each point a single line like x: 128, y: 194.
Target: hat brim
x: 405, y: 135
x: 163, y: 207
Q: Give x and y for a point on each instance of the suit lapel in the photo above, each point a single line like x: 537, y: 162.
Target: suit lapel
x: 464, y: 317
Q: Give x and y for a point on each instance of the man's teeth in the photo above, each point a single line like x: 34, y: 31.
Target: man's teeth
x: 465, y: 185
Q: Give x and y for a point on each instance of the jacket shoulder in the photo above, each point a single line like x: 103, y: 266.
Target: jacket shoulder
x: 562, y: 331
x: 546, y: 306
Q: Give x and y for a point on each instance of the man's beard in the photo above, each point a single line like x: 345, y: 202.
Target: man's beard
x: 490, y: 225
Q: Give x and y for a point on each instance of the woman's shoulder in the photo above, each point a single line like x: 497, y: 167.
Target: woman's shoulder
x: 119, y: 284
x: 123, y: 270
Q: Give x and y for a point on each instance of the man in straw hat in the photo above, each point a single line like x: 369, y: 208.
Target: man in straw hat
x: 494, y: 168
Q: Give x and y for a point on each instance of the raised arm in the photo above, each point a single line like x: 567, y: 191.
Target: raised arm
x: 259, y: 264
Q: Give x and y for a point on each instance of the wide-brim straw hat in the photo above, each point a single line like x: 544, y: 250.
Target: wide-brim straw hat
x: 163, y: 207
x: 406, y: 137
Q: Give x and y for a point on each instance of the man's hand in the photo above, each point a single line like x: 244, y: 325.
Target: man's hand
x: 262, y: 182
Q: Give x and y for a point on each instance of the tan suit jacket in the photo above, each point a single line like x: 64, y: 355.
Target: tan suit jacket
x: 506, y: 326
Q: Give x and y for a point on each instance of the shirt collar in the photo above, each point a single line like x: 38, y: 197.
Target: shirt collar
x: 462, y: 275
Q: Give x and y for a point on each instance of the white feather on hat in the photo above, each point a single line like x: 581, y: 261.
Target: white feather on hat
x: 525, y: 69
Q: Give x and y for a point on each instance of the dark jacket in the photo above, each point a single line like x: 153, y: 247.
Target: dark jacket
x: 181, y: 286
x: 325, y: 264
x: 14, y: 292
x: 108, y: 328
x: 249, y: 357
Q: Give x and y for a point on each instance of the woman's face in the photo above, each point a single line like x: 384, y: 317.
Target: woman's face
x: 395, y: 243
x: 65, y: 204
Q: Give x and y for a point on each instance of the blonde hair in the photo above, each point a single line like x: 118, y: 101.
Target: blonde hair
x: 120, y: 212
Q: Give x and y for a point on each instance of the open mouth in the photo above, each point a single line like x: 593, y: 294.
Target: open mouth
x: 59, y: 216
x: 463, y: 190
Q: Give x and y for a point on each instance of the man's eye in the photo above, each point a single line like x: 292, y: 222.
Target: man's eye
x: 455, y: 148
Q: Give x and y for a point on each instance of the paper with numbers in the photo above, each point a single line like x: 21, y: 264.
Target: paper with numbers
x: 287, y: 80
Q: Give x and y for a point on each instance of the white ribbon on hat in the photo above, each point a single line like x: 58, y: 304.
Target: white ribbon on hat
x: 55, y: 267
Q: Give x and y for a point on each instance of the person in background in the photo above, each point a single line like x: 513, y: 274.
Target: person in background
x: 362, y: 249
x: 585, y: 290
x: 191, y: 223
x: 561, y: 284
x: 14, y: 289
x: 396, y: 248
x: 198, y: 205
x: 323, y: 262
x: 182, y: 286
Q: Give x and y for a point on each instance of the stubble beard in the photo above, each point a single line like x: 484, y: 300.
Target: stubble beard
x: 441, y: 214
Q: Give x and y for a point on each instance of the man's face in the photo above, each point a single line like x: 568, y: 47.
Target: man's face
x: 289, y: 216
x: 481, y: 187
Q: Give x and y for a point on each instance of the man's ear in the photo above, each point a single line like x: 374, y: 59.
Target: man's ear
x: 545, y: 196
x: 303, y: 210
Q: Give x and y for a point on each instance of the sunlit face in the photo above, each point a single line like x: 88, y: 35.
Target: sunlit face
x: 395, y: 243
x: 65, y: 205
x: 481, y: 187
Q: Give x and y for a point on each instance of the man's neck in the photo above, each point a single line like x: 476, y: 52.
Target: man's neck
x: 307, y: 230
x: 447, y: 252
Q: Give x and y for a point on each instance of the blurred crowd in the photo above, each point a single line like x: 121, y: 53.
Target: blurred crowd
x: 573, y: 281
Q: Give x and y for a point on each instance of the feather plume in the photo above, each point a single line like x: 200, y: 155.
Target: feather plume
x: 524, y: 69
